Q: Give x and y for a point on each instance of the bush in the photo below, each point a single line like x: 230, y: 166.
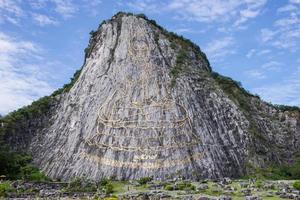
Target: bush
x: 4, y: 188
x: 169, y: 187
x: 144, y: 180
x: 185, y: 186
x: 108, y: 188
x: 104, y: 181
x: 296, y: 185
x: 32, y: 173
x: 81, y: 184
x: 181, y: 186
x: 258, y: 184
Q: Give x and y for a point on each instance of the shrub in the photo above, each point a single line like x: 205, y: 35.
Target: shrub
x: 185, y: 186
x: 32, y: 173
x: 296, y: 185
x: 144, y: 180
x: 181, y: 186
x: 181, y: 59
x: 169, y: 187
x: 81, y: 184
x: 4, y: 188
x: 104, y: 181
x: 258, y: 184
x: 108, y: 188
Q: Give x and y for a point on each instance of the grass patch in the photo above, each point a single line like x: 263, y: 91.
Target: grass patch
x: 296, y: 185
x: 5, y: 188
x: 119, y: 186
x: 144, y: 180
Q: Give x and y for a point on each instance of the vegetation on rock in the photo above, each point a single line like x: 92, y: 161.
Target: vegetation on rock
x: 181, y: 59
x: 180, y: 186
x: 296, y: 185
x: 81, y: 184
x: 144, y: 180
x: 4, y: 188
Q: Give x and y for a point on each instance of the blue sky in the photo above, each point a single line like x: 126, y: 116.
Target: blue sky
x: 255, y: 42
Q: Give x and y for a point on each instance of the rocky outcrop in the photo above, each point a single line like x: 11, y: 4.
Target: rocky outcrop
x: 146, y: 104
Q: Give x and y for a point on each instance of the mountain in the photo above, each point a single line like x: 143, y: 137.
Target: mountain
x: 147, y: 103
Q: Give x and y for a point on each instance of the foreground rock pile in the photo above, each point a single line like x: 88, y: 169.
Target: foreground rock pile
x: 224, y: 189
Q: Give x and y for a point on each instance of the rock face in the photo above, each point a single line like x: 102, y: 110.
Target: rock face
x: 147, y: 105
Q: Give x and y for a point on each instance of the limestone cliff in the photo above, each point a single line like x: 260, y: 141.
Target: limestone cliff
x: 146, y: 103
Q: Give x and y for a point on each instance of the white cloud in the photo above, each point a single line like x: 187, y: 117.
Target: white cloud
x: 287, y: 8
x: 10, y: 11
x: 92, y: 7
x: 256, y: 74
x: 218, y: 49
x: 65, y: 7
x: 267, y: 35
x: 284, y: 92
x: 37, y: 4
x: 188, y: 30
x: 255, y: 52
x: 21, y: 82
x: 250, y: 53
x: 263, y: 52
x: 295, y: 1
x: 204, y: 10
x: 272, y: 65
x: 253, y: 9
x: 147, y: 6
x: 44, y: 20
x: 288, y: 21
x: 285, y: 32
x: 260, y: 73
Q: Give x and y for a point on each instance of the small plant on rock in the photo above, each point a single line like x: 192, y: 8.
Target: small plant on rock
x: 4, y: 188
x: 296, y: 185
x: 106, y: 186
x: 169, y: 187
x: 81, y: 184
x: 144, y: 180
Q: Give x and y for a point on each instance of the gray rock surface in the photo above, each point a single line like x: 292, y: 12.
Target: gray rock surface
x: 125, y: 118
